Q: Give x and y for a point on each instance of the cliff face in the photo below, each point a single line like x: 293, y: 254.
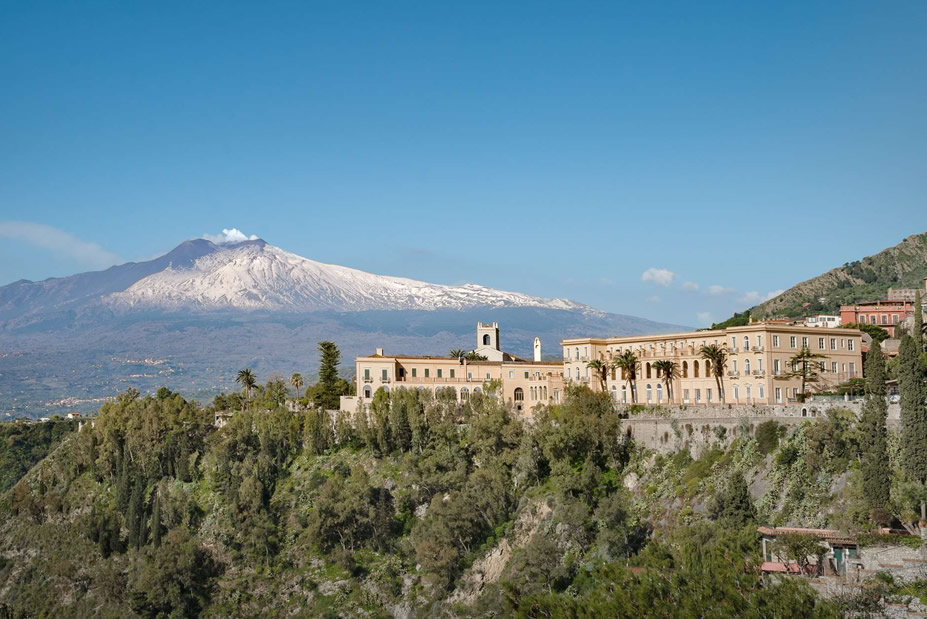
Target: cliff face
x: 901, y: 266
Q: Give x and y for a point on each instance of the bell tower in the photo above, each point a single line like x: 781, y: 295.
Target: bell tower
x: 487, y: 335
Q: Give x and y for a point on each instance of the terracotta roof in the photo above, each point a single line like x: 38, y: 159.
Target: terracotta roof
x: 777, y: 567
x: 830, y: 536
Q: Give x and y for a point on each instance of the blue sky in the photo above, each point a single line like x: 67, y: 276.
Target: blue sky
x: 620, y: 154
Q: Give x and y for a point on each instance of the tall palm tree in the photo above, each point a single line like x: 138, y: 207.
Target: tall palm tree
x: 296, y: 381
x: 601, y: 369
x: 247, y: 380
x: 717, y: 356
x: 457, y: 353
x: 669, y: 371
x: 629, y: 364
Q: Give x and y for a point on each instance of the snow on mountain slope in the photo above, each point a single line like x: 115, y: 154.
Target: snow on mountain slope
x: 254, y: 275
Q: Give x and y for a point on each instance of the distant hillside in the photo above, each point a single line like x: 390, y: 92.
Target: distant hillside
x: 901, y: 266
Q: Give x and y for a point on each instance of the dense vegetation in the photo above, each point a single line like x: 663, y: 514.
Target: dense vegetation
x: 427, y: 508
x: 23, y: 444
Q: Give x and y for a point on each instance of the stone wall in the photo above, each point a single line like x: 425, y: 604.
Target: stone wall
x: 669, y: 428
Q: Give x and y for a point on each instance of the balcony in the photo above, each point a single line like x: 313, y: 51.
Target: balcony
x: 733, y: 373
x: 757, y: 349
x: 759, y: 372
x: 384, y: 380
x: 368, y: 379
x: 732, y: 350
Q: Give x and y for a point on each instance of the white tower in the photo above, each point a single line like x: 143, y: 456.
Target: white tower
x: 537, y: 350
x: 487, y: 336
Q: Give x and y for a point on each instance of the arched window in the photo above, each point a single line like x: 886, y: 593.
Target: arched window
x: 577, y: 353
x: 695, y: 368
x: 624, y: 393
x: 707, y: 368
x: 746, y: 342
x: 660, y: 393
x: 748, y: 393
x: 384, y: 388
x: 613, y: 373
x: 464, y: 394
x: 486, y: 339
x: 685, y: 369
x: 649, y: 393
x: 736, y: 393
x: 577, y: 373
x: 519, y: 395
x: 614, y: 393
x: 367, y: 392
x: 746, y: 367
x: 477, y: 390
x: 647, y: 368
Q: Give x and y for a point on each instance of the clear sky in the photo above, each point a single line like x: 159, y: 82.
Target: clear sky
x: 675, y: 160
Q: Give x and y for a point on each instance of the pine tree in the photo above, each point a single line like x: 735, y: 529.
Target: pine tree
x: 733, y: 504
x: 875, y: 465
x: 329, y: 393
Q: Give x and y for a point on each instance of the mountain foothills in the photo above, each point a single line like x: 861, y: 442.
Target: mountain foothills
x: 901, y: 266
x: 199, y: 313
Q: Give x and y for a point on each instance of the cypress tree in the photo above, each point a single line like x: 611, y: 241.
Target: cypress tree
x: 875, y: 465
x: 913, y: 413
x: 918, y: 322
x: 362, y: 425
x: 135, y: 520
x: 156, y: 520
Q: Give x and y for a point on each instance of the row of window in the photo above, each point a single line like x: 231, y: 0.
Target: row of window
x: 845, y: 344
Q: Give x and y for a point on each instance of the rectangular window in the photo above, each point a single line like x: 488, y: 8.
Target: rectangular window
x: 488, y: 377
x: 385, y: 374
x: 775, y: 341
x: 833, y: 343
x: 511, y: 374
x: 453, y: 373
x: 804, y: 342
x: 366, y: 373
x: 833, y: 367
x: 427, y: 372
x: 894, y: 319
x: 469, y: 375
x: 762, y: 393
x: 793, y: 342
x: 779, y: 394
x: 759, y: 365
x: 734, y: 366
x: 821, y: 345
x: 440, y: 373
x: 526, y: 374
x: 852, y: 369
x: 884, y: 319
x: 698, y: 395
x: 776, y: 367
x: 759, y: 341
x: 822, y: 366
x: 685, y: 396
x: 414, y: 372
x: 733, y: 343
x: 850, y: 344
x: 708, y: 394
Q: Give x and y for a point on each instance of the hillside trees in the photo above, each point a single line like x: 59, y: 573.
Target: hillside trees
x: 875, y: 466
x: 913, y: 422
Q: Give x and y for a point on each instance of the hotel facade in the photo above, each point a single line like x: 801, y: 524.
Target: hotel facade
x: 758, y: 360
x: 525, y: 384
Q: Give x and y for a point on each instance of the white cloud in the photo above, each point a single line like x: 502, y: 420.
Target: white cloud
x: 660, y: 277
x: 716, y: 289
x: 753, y: 297
x: 704, y: 318
x: 229, y: 235
x: 60, y: 242
x: 654, y: 299
x: 690, y: 286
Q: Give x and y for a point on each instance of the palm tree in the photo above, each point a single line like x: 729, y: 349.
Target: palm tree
x: 457, y: 353
x: 296, y: 381
x: 669, y: 371
x: 629, y: 364
x: 601, y: 369
x: 805, y: 366
x: 717, y: 356
x: 247, y: 381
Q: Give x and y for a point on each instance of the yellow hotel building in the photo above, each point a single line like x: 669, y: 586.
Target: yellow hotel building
x: 525, y: 384
x: 758, y: 359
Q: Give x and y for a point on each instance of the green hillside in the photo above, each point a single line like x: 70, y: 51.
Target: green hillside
x: 901, y: 266
x: 424, y: 512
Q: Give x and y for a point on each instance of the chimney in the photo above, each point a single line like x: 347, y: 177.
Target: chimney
x: 379, y: 352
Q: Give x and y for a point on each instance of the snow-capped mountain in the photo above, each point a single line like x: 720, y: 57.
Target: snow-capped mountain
x: 255, y: 275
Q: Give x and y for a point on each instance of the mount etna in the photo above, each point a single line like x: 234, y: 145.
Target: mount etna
x: 195, y: 316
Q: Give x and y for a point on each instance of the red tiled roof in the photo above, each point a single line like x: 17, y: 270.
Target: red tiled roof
x: 782, y: 568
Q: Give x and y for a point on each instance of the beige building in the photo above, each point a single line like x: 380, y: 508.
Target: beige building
x: 758, y: 358
x: 525, y: 384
